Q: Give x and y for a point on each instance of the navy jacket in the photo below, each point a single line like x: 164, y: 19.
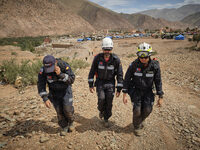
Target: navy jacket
x: 55, y: 82
x: 106, y: 71
x: 143, y: 78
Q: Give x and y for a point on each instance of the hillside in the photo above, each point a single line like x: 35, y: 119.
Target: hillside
x: 174, y: 14
x: 60, y: 17
x: 193, y: 19
x: 140, y: 21
x: 26, y: 124
x: 38, y: 17
x: 48, y: 17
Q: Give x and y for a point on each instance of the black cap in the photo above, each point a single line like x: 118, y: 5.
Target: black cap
x: 49, y: 63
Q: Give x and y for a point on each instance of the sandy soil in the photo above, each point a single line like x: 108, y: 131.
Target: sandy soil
x: 25, y: 123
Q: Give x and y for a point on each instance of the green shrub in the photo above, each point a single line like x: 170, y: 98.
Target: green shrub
x: 28, y: 70
x: 14, y: 53
x: 26, y: 43
x: 189, y: 39
x: 196, y: 38
x: 154, y: 53
x: 131, y: 55
x: 75, y: 63
x: 9, y: 71
x: 78, y: 64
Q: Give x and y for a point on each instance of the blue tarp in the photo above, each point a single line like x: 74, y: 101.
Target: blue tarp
x: 179, y: 37
x: 109, y: 37
x: 89, y: 39
x: 79, y: 40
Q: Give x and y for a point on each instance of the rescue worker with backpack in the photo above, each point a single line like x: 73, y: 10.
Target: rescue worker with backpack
x: 138, y: 83
x: 59, y: 77
x: 106, y: 67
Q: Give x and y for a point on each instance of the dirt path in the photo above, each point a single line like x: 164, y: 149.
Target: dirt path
x: 25, y: 123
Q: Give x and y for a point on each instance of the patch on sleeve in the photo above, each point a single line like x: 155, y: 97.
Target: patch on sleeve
x: 41, y: 70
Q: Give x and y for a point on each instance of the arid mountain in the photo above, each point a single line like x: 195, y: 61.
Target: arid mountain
x: 173, y: 14
x: 140, y: 21
x: 193, y: 19
x: 59, y: 17
x: 38, y: 17
x: 55, y: 17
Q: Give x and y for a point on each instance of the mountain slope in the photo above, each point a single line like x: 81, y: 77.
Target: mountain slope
x: 141, y: 21
x: 39, y: 17
x: 55, y: 17
x: 193, y: 19
x: 173, y: 14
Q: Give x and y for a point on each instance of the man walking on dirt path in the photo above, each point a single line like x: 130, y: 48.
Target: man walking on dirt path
x: 139, y: 79
x: 59, y: 77
x: 106, y: 66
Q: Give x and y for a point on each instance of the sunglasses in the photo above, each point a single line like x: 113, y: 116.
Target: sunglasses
x: 143, y: 57
x: 107, y: 48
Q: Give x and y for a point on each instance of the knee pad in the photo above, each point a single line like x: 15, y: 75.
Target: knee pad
x: 101, y: 96
x: 68, y: 108
x: 136, y: 111
x: 59, y: 112
x: 147, y: 111
x: 69, y: 113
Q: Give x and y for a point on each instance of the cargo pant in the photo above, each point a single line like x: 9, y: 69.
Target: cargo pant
x: 63, y: 104
x: 105, y: 93
x: 142, y: 101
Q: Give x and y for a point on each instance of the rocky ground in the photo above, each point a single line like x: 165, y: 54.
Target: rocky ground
x: 25, y: 123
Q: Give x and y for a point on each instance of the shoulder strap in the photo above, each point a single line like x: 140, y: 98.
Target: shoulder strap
x: 61, y: 64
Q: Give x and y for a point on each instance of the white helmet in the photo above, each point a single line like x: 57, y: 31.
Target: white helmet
x: 107, y: 43
x: 144, y: 50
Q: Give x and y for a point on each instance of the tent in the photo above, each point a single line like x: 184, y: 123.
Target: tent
x: 179, y: 37
x: 89, y: 39
x: 109, y: 37
x: 79, y: 40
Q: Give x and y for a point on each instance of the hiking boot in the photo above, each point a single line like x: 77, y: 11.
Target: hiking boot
x: 64, y: 131
x: 106, y: 124
x: 71, y: 127
x: 142, y: 126
x: 101, y: 115
x: 138, y: 131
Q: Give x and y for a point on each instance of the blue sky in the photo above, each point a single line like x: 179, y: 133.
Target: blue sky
x: 133, y: 6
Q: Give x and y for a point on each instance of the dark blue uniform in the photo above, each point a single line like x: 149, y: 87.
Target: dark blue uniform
x: 60, y: 92
x: 138, y: 83
x: 105, y: 81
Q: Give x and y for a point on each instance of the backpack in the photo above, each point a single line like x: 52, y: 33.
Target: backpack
x: 62, y: 64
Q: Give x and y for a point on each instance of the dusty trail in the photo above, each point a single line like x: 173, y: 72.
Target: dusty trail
x: 174, y: 126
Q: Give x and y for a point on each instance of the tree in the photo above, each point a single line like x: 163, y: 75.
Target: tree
x: 196, y: 38
x: 187, y: 29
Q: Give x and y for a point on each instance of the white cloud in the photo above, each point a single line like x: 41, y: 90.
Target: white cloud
x: 168, y: 5
x: 128, y: 10
x: 112, y: 3
x: 125, y: 5
x: 191, y: 2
